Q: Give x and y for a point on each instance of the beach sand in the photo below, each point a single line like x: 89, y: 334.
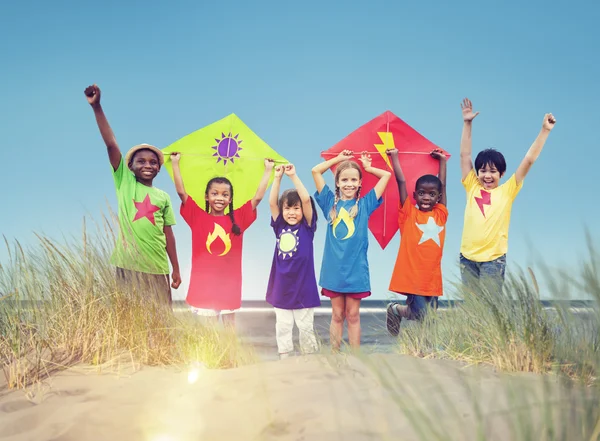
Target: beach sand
x: 378, y: 395
x: 317, y: 397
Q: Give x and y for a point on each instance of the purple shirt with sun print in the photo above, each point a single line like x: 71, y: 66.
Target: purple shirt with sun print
x: 292, y: 283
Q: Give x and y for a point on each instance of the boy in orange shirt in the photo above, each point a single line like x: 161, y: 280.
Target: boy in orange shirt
x: 418, y: 270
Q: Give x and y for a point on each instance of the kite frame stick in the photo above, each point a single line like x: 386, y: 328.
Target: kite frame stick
x: 168, y: 155
x: 357, y: 153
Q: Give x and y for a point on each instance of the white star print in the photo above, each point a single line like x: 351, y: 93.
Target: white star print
x: 430, y: 230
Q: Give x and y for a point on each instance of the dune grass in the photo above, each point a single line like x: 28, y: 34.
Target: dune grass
x: 60, y: 305
x: 515, y: 333
x: 513, y: 330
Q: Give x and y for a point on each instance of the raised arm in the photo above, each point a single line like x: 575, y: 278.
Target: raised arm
x: 264, y: 183
x: 383, y: 175
x: 466, y: 160
x: 274, y: 195
x: 439, y: 155
x: 400, y: 178
x: 307, y: 209
x: 319, y: 169
x: 175, y: 157
x: 536, y: 148
x: 92, y: 94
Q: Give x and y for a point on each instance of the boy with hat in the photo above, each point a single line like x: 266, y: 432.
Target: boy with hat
x: 145, y: 214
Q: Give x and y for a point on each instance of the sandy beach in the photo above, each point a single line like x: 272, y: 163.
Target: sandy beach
x: 375, y: 397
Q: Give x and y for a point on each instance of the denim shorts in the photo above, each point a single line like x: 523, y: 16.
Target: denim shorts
x: 418, y: 305
x: 491, y: 272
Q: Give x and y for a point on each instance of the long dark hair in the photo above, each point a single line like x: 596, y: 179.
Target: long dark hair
x: 235, y: 228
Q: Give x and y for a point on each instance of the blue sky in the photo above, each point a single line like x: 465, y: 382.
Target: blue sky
x: 302, y: 76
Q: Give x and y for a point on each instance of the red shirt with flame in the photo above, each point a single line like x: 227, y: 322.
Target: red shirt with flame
x: 216, y: 278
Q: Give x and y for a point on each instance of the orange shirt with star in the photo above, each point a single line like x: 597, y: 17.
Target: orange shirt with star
x: 487, y: 218
x: 418, y: 268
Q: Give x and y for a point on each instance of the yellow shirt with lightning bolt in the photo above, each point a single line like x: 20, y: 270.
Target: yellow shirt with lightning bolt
x: 487, y: 218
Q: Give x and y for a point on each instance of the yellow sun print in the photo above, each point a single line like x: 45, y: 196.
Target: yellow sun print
x: 287, y: 243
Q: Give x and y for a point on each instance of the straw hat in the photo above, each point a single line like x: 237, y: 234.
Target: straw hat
x: 131, y: 152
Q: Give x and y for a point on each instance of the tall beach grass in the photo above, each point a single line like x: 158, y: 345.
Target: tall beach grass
x: 60, y: 305
x: 514, y: 333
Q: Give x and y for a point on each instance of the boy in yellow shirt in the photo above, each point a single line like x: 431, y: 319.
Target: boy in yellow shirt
x: 487, y: 214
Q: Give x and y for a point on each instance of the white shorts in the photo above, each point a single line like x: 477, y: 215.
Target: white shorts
x: 210, y: 312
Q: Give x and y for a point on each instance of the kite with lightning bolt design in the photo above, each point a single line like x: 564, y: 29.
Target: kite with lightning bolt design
x: 387, y: 131
x: 224, y: 148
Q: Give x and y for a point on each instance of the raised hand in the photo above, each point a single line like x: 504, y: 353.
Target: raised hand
x: 365, y: 158
x: 391, y: 152
x: 269, y: 164
x: 175, y: 157
x: 345, y: 154
x: 467, y: 110
x: 92, y: 93
x: 290, y: 170
x: 438, y: 154
x: 279, y: 171
x: 549, y: 121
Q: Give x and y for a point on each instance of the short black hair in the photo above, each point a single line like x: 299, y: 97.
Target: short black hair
x: 429, y: 179
x: 491, y: 157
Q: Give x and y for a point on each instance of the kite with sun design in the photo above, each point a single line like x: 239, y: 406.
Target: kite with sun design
x: 384, y: 132
x: 228, y: 148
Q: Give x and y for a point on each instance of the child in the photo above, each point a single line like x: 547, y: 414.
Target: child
x: 216, y: 280
x: 487, y: 213
x: 145, y: 214
x: 292, y: 288
x: 418, y: 270
x: 345, y: 271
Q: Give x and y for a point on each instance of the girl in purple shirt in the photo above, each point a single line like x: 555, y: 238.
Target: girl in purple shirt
x: 292, y: 288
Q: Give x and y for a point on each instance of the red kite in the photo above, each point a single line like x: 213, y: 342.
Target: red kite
x: 387, y: 131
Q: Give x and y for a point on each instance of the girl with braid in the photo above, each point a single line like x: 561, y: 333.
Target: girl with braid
x: 217, y: 235
x: 345, y: 270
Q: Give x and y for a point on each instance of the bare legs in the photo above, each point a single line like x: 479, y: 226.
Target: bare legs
x: 344, y: 309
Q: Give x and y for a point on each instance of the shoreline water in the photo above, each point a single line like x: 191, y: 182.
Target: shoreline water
x: 379, y: 306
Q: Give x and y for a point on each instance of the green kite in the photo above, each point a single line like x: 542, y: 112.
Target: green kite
x: 224, y: 148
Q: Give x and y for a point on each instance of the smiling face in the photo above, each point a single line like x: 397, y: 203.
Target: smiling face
x: 490, y: 166
x: 348, y: 179
x: 489, y: 176
x: 292, y: 214
x: 218, y: 197
x: 145, y: 166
